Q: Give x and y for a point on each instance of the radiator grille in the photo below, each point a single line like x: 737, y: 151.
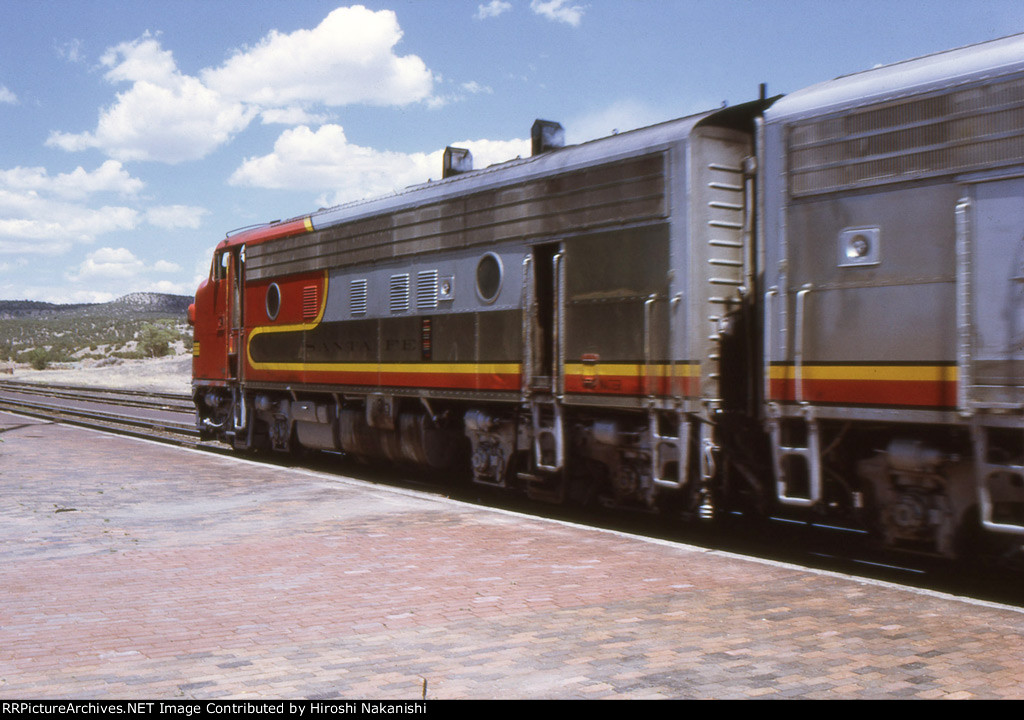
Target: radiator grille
x: 968, y: 129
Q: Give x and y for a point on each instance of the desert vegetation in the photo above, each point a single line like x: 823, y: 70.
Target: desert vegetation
x: 141, y: 325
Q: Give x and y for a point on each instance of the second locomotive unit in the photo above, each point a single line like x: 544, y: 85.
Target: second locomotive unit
x: 813, y: 305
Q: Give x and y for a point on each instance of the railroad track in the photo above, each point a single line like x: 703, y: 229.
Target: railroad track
x: 138, y: 413
x: 124, y: 398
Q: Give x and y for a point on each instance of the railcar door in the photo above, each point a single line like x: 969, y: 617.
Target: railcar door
x: 994, y: 294
x: 215, y: 332
x: 545, y: 311
x: 543, y: 366
x: 990, y: 324
x: 234, y: 308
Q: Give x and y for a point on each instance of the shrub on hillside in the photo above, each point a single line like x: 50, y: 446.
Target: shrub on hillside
x: 38, y: 358
x: 155, y: 340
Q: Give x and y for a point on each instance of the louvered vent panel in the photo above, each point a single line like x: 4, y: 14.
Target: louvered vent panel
x: 960, y: 131
x: 399, y: 297
x: 357, y: 293
x: 426, y: 289
x: 310, y: 302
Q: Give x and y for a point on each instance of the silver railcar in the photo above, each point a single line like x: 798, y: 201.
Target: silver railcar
x: 892, y: 246
x: 559, y: 315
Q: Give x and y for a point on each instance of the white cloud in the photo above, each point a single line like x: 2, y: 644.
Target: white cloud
x: 492, y: 9
x: 348, y: 58
x: 108, y: 177
x: 168, y: 287
x: 491, y: 152
x: 324, y: 161
x: 30, y: 223
x: 292, y: 116
x: 176, y: 216
x: 164, y: 115
x: 6, y: 96
x: 166, y: 266
x: 171, y: 117
x: 107, y: 274
x: 43, y: 213
x: 559, y: 11
x: 475, y: 88
x: 56, y: 294
x: 142, y: 60
x: 109, y: 263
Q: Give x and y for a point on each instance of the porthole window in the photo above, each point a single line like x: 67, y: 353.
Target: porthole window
x: 488, y: 277
x: 273, y: 301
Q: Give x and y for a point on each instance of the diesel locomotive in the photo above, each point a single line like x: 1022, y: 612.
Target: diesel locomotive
x: 810, y: 304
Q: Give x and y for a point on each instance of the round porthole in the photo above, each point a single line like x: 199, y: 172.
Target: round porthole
x: 488, y: 277
x: 273, y: 301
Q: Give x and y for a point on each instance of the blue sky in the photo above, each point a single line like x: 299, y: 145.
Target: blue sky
x: 135, y: 134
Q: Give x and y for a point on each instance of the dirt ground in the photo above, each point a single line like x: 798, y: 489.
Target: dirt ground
x: 167, y: 374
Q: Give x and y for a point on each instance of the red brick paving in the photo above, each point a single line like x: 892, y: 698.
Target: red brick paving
x: 131, y: 570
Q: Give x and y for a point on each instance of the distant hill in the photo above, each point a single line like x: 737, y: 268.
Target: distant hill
x: 153, y: 302
x: 40, y: 333
x: 130, y: 304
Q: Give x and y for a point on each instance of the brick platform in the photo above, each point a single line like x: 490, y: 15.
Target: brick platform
x: 132, y: 570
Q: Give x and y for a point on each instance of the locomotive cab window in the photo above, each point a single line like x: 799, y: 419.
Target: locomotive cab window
x: 488, y: 277
x: 220, y: 266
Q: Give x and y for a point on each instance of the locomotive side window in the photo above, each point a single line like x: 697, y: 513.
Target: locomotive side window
x: 488, y: 277
x: 273, y: 301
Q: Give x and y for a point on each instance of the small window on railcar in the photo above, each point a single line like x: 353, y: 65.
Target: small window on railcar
x: 220, y: 266
x: 273, y: 301
x: 488, y: 277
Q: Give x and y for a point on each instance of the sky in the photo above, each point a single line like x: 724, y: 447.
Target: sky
x: 136, y: 134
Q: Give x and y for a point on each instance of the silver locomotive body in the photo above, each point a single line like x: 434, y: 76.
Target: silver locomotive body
x: 893, y: 237
x: 556, y: 318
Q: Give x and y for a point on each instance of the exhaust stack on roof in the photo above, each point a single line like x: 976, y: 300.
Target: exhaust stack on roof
x: 546, y: 135
x: 456, y: 161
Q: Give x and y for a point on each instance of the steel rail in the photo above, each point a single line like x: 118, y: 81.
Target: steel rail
x: 179, y: 433
x: 171, y: 402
